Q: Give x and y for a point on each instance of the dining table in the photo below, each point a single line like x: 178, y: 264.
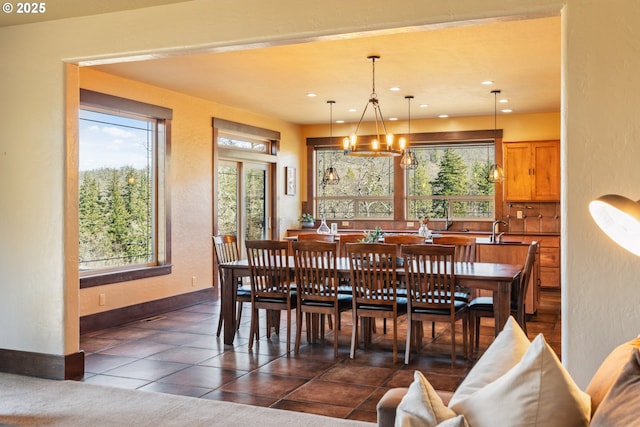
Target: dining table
x: 494, y: 277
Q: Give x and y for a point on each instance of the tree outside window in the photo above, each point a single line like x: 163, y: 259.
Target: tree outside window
x: 123, y: 221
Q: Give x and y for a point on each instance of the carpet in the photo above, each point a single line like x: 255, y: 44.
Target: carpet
x: 28, y: 401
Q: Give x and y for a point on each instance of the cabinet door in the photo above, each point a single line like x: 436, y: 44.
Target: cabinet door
x: 546, y: 171
x: 517, y: 171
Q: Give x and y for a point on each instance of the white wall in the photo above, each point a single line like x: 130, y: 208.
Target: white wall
x: 600, y: 156
x: 38, y: 282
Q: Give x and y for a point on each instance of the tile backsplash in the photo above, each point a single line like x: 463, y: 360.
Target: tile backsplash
x: 532, y: 217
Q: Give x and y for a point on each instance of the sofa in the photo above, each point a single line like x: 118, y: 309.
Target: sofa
x: 522, y: 382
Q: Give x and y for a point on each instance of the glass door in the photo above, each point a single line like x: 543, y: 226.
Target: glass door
x: 243, y: 200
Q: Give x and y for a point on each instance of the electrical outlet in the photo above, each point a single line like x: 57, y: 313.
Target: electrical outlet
x: 102, y: 299
x: 345, y: 223
x: 409, y: 224
x: 193, y: 281
x: 519, y: 214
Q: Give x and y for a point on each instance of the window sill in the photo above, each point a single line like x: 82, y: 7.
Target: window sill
x: 90, y: 281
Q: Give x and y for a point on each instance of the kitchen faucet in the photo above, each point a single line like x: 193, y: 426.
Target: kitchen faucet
x: 494, y: 227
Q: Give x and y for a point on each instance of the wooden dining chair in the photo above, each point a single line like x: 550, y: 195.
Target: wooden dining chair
x: 349, y: 238
x: 317, y: 288
x: 319, y: 237
x: 465, y: 246
x: 372, y: 268
x: 483, y: 306
x: 316, y: 237
x: 403, y: 239
x: 399, y: 240
x: 226, y: 250
x: 465, y: 252
x: 271, y: 287
x: 430, y: 283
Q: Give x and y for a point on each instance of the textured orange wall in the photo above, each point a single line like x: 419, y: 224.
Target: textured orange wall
x: 191, y: 188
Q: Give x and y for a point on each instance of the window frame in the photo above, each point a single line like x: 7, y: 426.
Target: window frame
x: 357, y: 200
x: 269, y: 157
x: 162, y: 227
x: 452, y: 199
x: 400, y: 191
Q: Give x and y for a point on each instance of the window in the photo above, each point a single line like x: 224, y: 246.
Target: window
x: 245, y: 158
x: 365, y: 190
x: 451, y: 182
x: 123, y: 219
x: 244, y: 143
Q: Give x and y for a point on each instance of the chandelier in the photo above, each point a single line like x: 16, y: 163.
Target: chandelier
x: 376, y: 147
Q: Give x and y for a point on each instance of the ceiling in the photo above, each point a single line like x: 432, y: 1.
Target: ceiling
x: 442, y: 68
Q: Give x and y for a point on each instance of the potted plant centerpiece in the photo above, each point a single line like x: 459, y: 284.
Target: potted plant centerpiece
x: 373, y: 236
x: 307, y: 220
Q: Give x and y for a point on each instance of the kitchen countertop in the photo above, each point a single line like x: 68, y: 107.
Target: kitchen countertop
x: 506, y: 234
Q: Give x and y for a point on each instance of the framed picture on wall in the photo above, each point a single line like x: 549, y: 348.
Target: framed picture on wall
x: 290, y: 173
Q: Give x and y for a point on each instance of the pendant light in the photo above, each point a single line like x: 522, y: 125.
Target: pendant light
x: 496, y: 173
x: 409, y: 160
x: 331, y: 176
x: 376, y: 148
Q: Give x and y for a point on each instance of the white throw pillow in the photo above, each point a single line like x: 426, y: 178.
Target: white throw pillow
x: 537, y: 391
x: 422, y: 407
x: 502, y: 355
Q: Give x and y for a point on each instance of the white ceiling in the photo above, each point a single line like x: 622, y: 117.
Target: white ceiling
x: 442, y: 67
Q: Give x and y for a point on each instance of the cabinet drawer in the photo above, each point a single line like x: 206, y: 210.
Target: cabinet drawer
x: 550, y: 277
x: 549, y: 257
x: 549, y: 241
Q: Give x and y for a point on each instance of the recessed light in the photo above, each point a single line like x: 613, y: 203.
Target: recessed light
x: 487, y: 82
x: 352, y: 110
x: 339, y: 121
x: 503, y: 101
x: 311, y: 95
x: 393, y: 119
x: 443, y: 116
x: 394, y: 88
x: 424, y: 105
x: 507, y: 110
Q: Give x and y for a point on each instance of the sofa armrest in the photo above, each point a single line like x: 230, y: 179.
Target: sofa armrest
x: 387, y: 405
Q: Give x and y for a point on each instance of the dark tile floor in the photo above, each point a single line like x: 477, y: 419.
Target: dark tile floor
x: 179, y: 353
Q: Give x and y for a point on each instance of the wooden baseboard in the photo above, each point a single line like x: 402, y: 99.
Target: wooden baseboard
x: 50, y: 366
x: 71, y: 367
x: 108, y: 319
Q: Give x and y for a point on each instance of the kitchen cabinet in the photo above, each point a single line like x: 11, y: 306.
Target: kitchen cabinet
x: 532, y: 171
x: 513, y: 254
x: 548, y: 260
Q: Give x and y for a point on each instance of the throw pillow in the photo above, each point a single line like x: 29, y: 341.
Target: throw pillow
x: 537, y: 391
x: 503, y: 354
x: 620, y: 405
x: 421, y: 406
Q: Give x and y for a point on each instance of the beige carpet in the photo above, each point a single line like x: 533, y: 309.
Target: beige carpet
x: 27, y: 401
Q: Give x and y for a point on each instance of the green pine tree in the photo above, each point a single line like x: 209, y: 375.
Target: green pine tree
x: 451, y: 180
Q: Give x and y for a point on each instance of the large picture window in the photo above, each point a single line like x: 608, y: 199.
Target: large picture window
x: 365, y: 190
x: 123, y: 219
x: 451, y: 182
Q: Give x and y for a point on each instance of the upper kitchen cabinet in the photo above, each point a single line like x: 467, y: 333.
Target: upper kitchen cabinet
x: 532, y: 171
